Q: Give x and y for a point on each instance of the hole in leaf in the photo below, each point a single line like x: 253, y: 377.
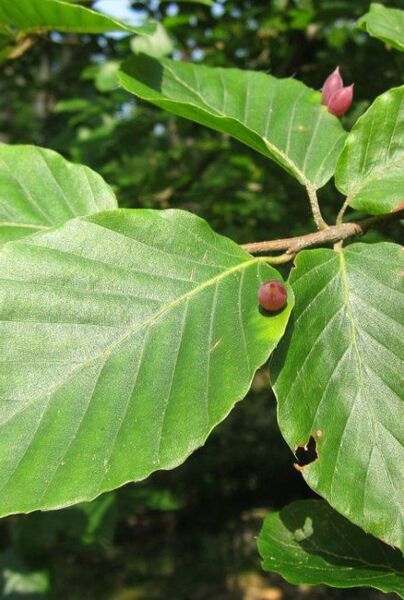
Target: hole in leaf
x: 306, y: 454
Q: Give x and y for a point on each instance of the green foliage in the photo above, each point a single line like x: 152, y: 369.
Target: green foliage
x: 370, y: 168
x: 158, y: 44
x: 283, y: 120
x: 110, y: 301
x: 71, y: 298
x: 37, y: 16
x: 17, y: 581
x: 106, y: 80
x: 40, y: 189
x: 336, y: 378
x: 307, y: 542
x: 386, y: 24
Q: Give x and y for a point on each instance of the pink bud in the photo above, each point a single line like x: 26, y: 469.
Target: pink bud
x: 340, y: 101
x: 332, y: 84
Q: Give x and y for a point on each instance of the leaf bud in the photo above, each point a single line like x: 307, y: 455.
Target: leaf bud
x: 341, y: 101
x: 332, y: 84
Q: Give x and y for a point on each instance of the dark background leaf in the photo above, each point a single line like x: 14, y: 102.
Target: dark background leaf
x: 308, y: 542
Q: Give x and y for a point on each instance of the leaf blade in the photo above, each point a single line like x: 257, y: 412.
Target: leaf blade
x: 369, y: 168
x: 56, y: 15
x: 282, y: 119
x: 385, y: 24
x: 337, y: 380
x: 40, y: 189
x: 129, y: 283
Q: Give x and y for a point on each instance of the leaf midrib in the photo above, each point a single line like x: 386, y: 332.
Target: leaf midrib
x: 149, y: 321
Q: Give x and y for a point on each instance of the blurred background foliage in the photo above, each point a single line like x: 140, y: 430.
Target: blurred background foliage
x: 187, y: 534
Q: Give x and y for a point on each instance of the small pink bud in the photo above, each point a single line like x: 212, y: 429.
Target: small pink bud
x: 332, y: 84
x: 341, y: 101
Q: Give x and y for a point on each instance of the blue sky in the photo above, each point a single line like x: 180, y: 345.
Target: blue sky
x: 119, y: 9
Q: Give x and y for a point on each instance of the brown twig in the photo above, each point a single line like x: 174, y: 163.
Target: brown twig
x: 22, y: 45
x: 330, y: 235
x: 315, y: 208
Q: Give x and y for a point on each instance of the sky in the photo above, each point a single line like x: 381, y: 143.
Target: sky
x: 119, y: 9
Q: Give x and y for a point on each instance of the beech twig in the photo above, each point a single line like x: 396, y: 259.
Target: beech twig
x: 332, y: 234
x: 315, y: 208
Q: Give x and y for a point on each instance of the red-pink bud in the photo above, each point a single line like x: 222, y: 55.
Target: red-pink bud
x: 341, y: 101
x: 332, y: 84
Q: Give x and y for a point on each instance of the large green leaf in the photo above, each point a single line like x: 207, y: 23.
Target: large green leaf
x: 338, y: 377
x: 282, y: 119
x: 55, y: 15
x: 309, y: 543
x: 370, y: 168
x: 386, y: 24
x: 126, y: 337
x: 40, y: 189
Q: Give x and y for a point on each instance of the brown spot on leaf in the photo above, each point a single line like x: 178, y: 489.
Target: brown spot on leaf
x: 319, y: 433
x: 398, y: 207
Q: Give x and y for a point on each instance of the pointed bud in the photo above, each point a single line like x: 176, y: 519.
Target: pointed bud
x: 341, y: 101
x: 332, y: 84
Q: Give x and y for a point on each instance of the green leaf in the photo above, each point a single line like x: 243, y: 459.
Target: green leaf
x: 282, y: 119
x: 338, y: 377
x: 40, y: 189
x: 309, y: 543
x: 126, y: 338
x: 158, y: 44
x: 370, y: 168
x: 101, y: 517
x: 106, y: 78
x: 55, y: 15
x: 17, y: 581
x: 385, y: 24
